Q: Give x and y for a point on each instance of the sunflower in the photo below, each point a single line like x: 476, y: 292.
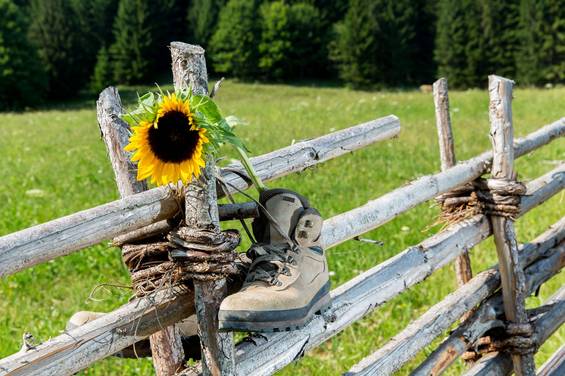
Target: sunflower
x: 168, y: 143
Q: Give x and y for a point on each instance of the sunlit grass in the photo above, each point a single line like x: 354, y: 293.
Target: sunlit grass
x: 54, y: 163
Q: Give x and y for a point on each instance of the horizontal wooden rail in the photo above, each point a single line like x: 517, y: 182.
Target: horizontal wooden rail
x: 483, y: 319
x: 555, y: 365
x: 63, y: 236
x: 59, y: 353
x: 357, y: 297
x: 74, y: 350
x: 381, y: 210
x: 545, y: 324
x: 421, y: 332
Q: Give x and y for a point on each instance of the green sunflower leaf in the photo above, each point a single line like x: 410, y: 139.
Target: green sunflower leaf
x: 207, y: 107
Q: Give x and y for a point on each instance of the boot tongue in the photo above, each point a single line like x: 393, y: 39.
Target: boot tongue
x: 286, y: 208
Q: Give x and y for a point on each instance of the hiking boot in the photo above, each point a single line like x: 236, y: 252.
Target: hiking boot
x: 288, y: 280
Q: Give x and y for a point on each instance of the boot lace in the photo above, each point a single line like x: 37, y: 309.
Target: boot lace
x: 269, y: 261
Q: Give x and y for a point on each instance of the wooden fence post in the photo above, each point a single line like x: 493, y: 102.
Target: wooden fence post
x: 189, y: 69
x: 166, y: 345
x: 463, y: 270
x: 514, y: 291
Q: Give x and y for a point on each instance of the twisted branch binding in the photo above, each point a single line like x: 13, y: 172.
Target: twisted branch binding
x: 497, y: 197
x: 515, y: 338
x: 189, y: 254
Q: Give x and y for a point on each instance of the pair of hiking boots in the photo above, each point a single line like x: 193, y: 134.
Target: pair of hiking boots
x: 287, y: 281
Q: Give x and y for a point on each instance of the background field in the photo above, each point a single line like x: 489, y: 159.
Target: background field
x: 54, y: 163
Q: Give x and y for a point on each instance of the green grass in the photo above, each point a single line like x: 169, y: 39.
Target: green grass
x: 54, y: 163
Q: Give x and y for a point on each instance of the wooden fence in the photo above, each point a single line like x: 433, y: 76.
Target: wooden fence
x: 479, y: 303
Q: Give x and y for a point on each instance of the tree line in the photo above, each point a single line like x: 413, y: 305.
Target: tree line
x: 54, y: 48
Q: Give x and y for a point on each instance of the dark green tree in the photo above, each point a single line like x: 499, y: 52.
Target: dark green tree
x: 291, y: 40
x: 22, y: 80
x: 276, y: 41
x: 103, y: 75
x: 94, y: 18
x: 202, y: 20
x: 234, y: 44
x: 475, y: 39
x: 142, y: 31
x: 331, y: 11
x: 458, y: 42
x: 132, y: 49
x: 541, y: 56
x: 374, y: 42
x: 499, y: 40
x: 54, y: 32
x: 422, y: 50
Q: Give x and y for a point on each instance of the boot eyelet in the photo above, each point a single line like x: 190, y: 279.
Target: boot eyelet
x: 279, y: 283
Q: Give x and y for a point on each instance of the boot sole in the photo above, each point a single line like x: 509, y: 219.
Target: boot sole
x: 286, y: 320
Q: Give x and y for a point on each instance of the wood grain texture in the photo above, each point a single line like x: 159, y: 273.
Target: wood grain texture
x: 166, y: 345
x: 102, y: 338
x: 201, y: 212
x: 513, y: 282
x: 443, y: 124
x: 115, y: 133
x: 227, y: 212
x: 77, y: 349
x: 366, y: 292
x: 484, y: 318
x: 381, y: 210
x: 60, y: 237
x: 545, y: 325
x: 463, y: 271
x: 422, y: 331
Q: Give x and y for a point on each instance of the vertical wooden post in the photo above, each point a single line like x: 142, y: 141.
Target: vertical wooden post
x: 463, y: 270
x: 189, y: 69
x: 514, y: 291
x: 166, y: 345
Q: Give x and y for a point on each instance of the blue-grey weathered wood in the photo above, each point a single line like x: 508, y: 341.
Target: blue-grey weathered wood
x: 166, y: 345
x: 545, y: 325
x: 548, y: 248
x: 463, y: 271
x: 63, y: 236
x: 201, y: 213
x: 103, y: 337
x: 484, y: 318
x: 512, y: 276
x: 357, y: 297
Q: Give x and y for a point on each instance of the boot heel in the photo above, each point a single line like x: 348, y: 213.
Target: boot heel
x: 324, y: 305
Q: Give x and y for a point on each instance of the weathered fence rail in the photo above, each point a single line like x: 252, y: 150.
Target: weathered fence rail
x: 363, y: 293
x: 479, y: 300
x: 63, y: 236
x: 546, y: 323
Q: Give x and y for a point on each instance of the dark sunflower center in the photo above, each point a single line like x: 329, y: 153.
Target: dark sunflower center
x: 172, y: 141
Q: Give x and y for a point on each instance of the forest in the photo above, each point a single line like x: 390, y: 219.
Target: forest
x: 53, y: 49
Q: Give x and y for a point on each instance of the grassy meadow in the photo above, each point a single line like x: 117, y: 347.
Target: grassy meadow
x: 54, y: 163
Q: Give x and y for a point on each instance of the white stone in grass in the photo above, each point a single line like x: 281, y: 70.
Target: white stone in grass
x: 36, y: 192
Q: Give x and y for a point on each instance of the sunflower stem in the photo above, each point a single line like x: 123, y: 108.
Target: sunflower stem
x: 257, y: 182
